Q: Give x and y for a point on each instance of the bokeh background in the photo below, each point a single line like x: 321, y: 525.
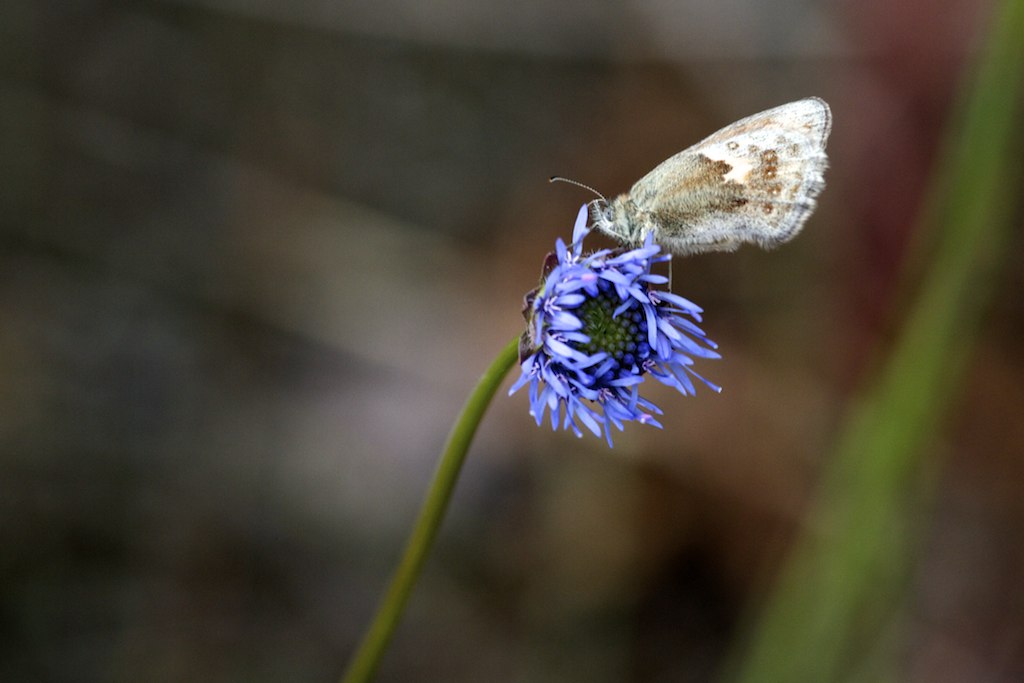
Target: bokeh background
x: 254, y: 255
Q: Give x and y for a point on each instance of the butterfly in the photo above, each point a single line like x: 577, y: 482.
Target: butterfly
x: 753, y: 182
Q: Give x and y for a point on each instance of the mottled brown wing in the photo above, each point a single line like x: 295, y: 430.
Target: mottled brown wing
x: 755, y: 181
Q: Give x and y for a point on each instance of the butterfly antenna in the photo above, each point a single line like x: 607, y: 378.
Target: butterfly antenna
x: 558, y: 178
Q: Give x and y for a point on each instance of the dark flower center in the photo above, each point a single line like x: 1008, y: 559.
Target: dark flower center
x: 623, y: 337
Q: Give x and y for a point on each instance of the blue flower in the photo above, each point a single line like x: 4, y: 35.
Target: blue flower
x: 595, y: 329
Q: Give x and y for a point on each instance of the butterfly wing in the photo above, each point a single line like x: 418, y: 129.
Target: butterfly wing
x: 755, y: 181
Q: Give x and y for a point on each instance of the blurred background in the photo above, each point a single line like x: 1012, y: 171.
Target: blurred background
x: 254, y: 255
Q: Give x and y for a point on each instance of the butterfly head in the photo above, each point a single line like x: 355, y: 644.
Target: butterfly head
x: 618, y: 219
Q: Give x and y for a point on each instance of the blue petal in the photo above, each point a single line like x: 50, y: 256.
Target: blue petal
x: 627, y: 381
x: 652, y: 326
x: 519, y: 383
x: 653, y: 279
x: 577, y: 337
x: 711, y: 385
x: 571, y: 300
x: 561, y: 250
x: 579, y: 230
x: 623, y: 307
x: 562, y: 320
x: 563, y: 350
x: 586, y: 418
x: 675, y: 299
x: 692, y: 329
x: 685, y: 385
x: 592, y: 360
x: 646, y: 419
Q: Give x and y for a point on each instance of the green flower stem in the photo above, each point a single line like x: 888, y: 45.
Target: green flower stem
x: 378, y: 635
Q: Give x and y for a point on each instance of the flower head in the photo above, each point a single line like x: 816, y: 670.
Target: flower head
x: 596, y: 329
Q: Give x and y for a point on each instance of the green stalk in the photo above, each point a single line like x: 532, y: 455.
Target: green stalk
x: 366, y: 659
x: 840, y: 591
